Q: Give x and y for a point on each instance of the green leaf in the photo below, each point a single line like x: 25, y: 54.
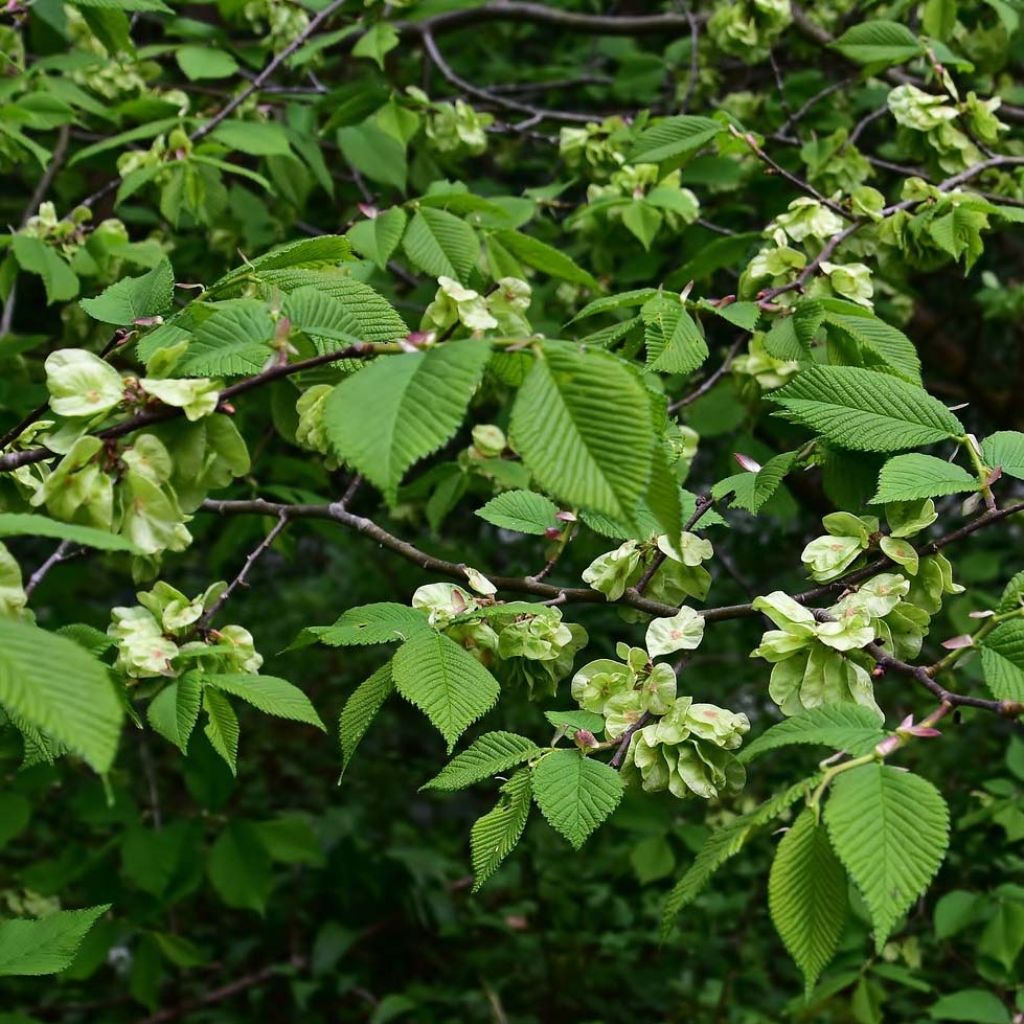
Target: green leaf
x: 575, y: 793
x: 329, y: 322
x: 375, y: 153
x: 672, y: 137
x: 174, y: 711
x: 290, y: 839
x: 492, y: 753
x: 221, y: 727
x: 134, y: 298
x: 573, y: 721
x: 15, y: 812
x: 17, y: 524
x: 521, y: 511
x: 545, y: 258
x: 607, y: 303
x: 125, y: 5
x: 1002, y: 660
x: 866, y: 411
x: 307, y: 253
x: 852, y: 728
x: 377, y: 237
x: 807, y: 896
x: 361, y: 709
x: 1012, y: 596
x: 239, y: 867
x: 203, y: 62
x: 400, y: 409
x: 54, y: 685
x: 642, y: 220
x: 35, y: 257
x: 376, y: 43
x: 864, y: 339
x: 268, y: 694
x: 879, y: 42
x: 46, y: 945
x: 385, y: 622
x: 975, y: 1005
x: 441, y: 244
x: 890, y: 829
x: 938, y: 18
x: 581, y: 447
x: 1005, y: 449
x: 723, y: 844
x: 751, y: 491
x: 255, y: 138
x: 234, y: 341
x: 914, y: 476
x: 495, y: 835
x: 673, y: 339
x: 445, y: 682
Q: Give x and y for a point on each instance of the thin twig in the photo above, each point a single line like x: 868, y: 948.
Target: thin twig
x: 705, y: 386
x: 62, y: 553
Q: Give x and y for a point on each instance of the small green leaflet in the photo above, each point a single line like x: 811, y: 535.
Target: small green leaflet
x: 674, y: 341
x: 879, y: 43
x: 575, y: 793
x: 972, y: 1005
x: 55, y: 686
x: 270, y: 695
x: 34, y: 256
x: 851, y: 728
x: 445, y: 682
x: 913, y: 476
x: 866, y: 411
x: 672, y: 137
x: 572, y: 721
x: 361, y: 709
x: 543, y: 257
x: 134, y: 298
x: 233, y: 342
x: 323, y: 318
x: 1002, y: 660
x: 203, y: 62
x: 580, y: 447
x: 495, y: 835
x: 607, y: 303
x: 376, y: 43
x: 752, y: 490
x: 174, y: 711
x: 400, y: 409
x: 890, y: 829
x: 441, y: 244
x: 723, y: 844
x: 46, y: 945
x: 15, y: 524
x: 239, y: 867
x: 807, y: 895
x: 521, y: 511
x: 1005, y: 450
x: 221, y: 727
x: 492, y: 753
x: 255, y: 138
x: 1012, y: 596
x: 384, y: 622
x: 377, y: 237
x: 307, y: 253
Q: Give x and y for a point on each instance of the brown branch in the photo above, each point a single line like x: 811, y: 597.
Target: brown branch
x: 620, y: 752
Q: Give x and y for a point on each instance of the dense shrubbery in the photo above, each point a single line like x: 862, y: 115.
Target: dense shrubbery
x: 606, y: 422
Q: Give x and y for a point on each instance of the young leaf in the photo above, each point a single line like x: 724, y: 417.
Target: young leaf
x: 866, y: 411
x: 672, y: 137
x: 445, y: 682
x: 807, y: 895
x: 492, y: 753
x: 55, y: 686
x: 913, y: 476
x: 867, y: 340
x: 378, y: 237
x: 723, y: 844
x: 441, y: 244
x: 134, y: 298
x: 15, y: 524
x: 361, y: 709
x: 400, y: 409
x: 1002, y: 660
x: 521, y: 511
x: 890, y: 829
x: 575, y: 793
x: 606, y: 303
x: 233, y: 342
x: 270, y: 695
x: 239, y: 867
x: 1005, y: 450
x: 46, y: 945
x: 494, y: 836
x: 255, y: 138
x: 673, y: 339
x: 221, y: 727
x: 36, y: 257
x: 385, y: 622
x: 581, y: 447
x: 543, y: 257
x: 175, y: 709
x: 852, y: 728
x: 879, y: 42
